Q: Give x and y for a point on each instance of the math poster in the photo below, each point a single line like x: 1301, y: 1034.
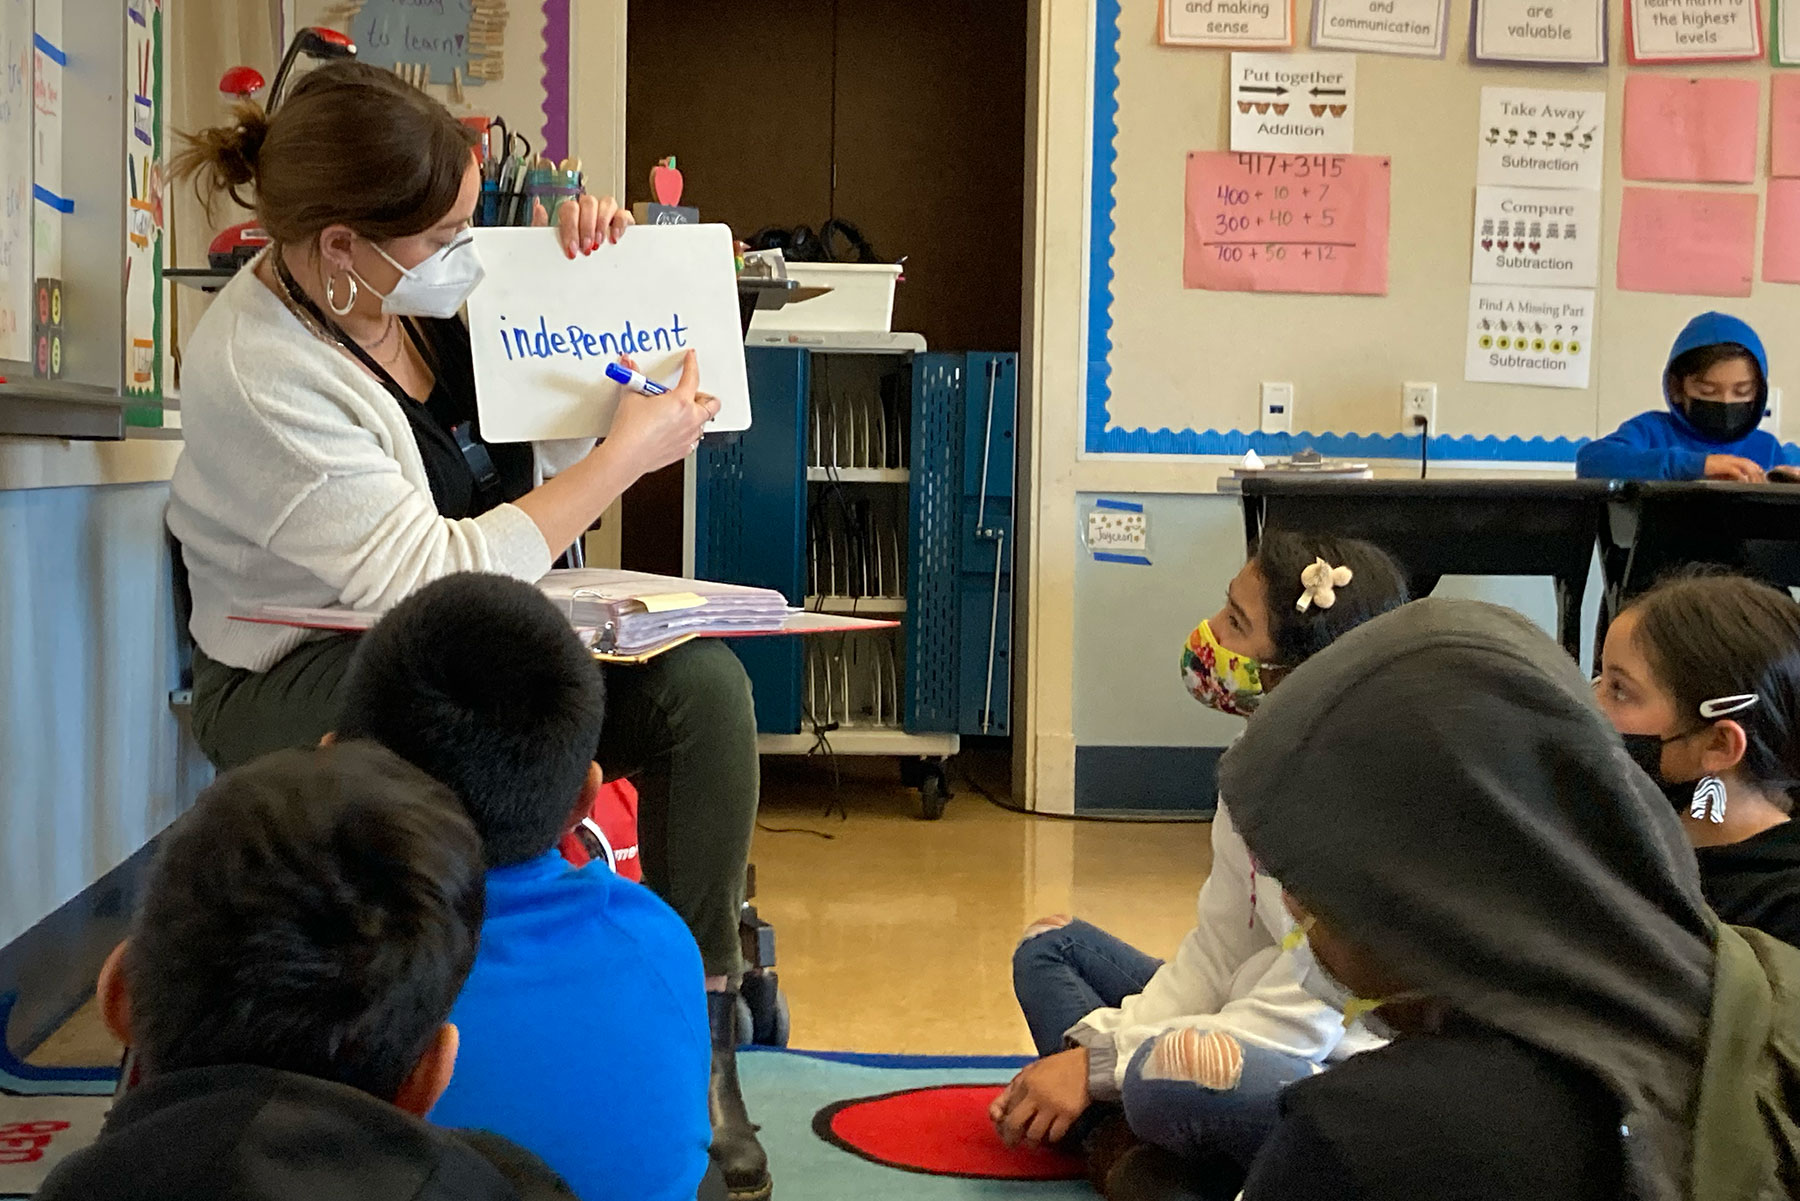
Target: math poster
x: 1531, y: 138
x: 1692, y: 31
x: 1294, y: 103
x: 1256, y: 24
x: 1538, y: 336
x: 1539, y: 237
x: 1287, y: 223
x: 1412, y: 27
x: 1569, y: 33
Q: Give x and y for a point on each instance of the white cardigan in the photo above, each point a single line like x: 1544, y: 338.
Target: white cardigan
x: 301, y: 484
x: 1229, y: 974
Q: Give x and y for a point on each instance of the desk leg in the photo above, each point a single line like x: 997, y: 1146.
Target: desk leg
x: 1570, y: 592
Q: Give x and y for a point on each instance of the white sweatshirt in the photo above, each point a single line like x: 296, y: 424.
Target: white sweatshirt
x: 1229, y: 974
x: 301, y: 484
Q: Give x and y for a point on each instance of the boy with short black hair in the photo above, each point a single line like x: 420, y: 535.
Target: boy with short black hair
x: 585, y: 1031
x: 285, y: 988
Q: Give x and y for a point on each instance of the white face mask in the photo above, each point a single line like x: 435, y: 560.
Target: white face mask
x: 438, y: 286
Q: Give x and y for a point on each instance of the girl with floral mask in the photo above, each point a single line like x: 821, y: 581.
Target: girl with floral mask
x: 1702, y: 677
x: 333, y: 457
x: 1168, y: 1074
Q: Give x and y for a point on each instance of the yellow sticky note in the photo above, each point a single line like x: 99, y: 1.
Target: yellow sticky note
x: 669, y: 602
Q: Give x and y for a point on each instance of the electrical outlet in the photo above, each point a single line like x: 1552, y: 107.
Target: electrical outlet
x: 1277, y: 408
x: 1772, y: 413
x: 1418, y: 403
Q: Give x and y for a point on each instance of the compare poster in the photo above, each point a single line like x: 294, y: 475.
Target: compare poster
x: 1538, y: 336
x: 1553, y: 32
x: 1540, y: 237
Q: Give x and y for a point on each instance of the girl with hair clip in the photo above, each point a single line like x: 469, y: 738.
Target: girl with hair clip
x: 1192, y: 1054
x: 1702, y: 677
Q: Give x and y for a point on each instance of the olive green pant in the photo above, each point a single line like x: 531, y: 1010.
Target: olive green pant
x: 680, y: 727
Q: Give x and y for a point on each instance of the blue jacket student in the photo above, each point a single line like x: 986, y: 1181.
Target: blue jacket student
x: 1715, y: 390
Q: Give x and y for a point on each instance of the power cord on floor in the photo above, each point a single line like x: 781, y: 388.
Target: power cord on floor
x: 1140, y: 819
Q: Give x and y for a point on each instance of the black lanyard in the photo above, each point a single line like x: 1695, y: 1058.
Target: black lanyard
x: 481, y: 463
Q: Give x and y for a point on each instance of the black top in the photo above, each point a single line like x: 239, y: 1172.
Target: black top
x: 256, y: 1134
x: 450, y: 410
x: 1470, y: 1115
x: 1756, y: 882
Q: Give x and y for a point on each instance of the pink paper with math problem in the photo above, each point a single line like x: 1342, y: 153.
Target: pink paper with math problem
x: 1686, y: 242
x: 1691, y: 130
x: 1287, y: 223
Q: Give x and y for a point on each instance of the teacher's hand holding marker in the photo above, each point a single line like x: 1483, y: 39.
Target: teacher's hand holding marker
x: 655, y: 425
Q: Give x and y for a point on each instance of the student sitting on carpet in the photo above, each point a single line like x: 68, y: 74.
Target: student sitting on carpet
x: 584, y: 1021
x: 1114, y: 1024
x: 1479, y: 868
x: 284, y: 992
x: 1702, y: 677
x: 1715, y: 389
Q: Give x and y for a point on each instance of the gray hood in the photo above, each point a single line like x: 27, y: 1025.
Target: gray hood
x: 1440, y: 786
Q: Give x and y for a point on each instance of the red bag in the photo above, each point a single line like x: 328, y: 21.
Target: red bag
x: 609, y: 833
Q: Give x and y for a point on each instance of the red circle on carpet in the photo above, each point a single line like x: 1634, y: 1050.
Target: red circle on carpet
x: 939, y: 1131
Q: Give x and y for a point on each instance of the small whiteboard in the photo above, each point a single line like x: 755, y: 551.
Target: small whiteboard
x: 544, y: 328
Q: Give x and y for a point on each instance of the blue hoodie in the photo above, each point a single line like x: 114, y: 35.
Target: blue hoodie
x: 1663, y: 445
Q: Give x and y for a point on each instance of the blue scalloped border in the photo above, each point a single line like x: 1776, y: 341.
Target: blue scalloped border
x: 1103, y: 439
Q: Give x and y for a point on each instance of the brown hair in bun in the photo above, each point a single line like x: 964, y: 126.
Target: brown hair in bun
x: 350, y: 144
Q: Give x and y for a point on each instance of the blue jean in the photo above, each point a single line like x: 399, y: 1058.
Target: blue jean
x: 1062, y: 975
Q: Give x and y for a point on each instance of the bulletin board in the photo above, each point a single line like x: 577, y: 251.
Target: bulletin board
x: 531, y: 89
x: 1176, y: 370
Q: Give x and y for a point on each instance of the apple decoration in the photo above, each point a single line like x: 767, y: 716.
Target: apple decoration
x: 666, y: 182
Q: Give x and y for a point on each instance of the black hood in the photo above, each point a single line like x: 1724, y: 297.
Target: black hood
x: 1440, y: 787
x: 255, y: 1134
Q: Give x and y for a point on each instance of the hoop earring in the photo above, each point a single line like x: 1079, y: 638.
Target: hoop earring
x: 331, y: 295
x: 1709, y: 800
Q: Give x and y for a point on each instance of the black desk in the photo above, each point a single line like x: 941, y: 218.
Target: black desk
x: 1656, y: 526
x: 1434, y: 528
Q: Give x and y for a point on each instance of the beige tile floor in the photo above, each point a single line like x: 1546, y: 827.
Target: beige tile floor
x: 896, y: 934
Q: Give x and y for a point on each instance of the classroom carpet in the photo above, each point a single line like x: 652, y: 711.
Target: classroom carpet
x: 836, y: 1125
x: 892, y: 1128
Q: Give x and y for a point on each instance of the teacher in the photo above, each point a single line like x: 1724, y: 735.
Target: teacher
x: 334, y: 458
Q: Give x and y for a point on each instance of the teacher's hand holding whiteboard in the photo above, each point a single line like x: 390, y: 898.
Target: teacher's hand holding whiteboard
x: 544, y: 329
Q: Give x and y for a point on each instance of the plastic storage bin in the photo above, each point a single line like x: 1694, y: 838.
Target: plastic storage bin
x: 861, y: 300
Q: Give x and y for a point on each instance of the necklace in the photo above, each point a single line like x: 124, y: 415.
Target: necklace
x: 307, y: 313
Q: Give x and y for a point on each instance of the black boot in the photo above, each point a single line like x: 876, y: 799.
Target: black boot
x: 734, y: 1147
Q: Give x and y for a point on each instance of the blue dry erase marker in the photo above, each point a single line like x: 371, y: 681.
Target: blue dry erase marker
x: 619, y: 373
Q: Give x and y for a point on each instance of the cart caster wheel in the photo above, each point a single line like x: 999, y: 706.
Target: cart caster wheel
x: 764, y: 1009
x: 933, y: 796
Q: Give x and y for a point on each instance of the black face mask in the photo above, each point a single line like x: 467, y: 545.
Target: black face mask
x: 1723, y: 421
x: 1646, y: 751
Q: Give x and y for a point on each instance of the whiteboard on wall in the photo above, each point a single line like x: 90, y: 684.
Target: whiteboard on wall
x: 15, y: 179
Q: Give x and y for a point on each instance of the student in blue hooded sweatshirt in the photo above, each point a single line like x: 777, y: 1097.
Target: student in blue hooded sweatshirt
x: 1716, y: 388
